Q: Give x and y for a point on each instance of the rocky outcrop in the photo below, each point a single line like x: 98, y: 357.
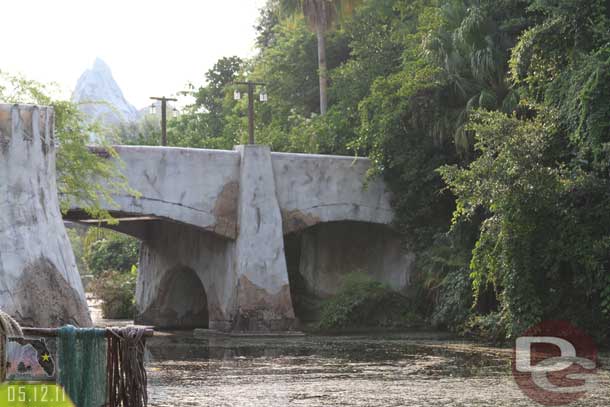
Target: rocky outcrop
x: 101, y: 98
x: 39, y: 282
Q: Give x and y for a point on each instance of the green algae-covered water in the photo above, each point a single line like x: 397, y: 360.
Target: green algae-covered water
x: 364, y: 370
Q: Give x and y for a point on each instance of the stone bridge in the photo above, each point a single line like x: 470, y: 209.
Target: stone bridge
x: 232, y: 240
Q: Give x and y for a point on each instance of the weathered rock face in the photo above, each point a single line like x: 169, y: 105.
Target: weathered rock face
x: 100, y: 97
x: 39, y: 282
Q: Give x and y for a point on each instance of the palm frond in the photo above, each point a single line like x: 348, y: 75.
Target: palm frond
x: 319, y: 14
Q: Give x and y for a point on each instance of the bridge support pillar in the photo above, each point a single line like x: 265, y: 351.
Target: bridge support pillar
x: 263, y: 301
x: 39, y: 281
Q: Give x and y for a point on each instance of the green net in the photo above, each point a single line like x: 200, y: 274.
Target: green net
x: 82, y: 365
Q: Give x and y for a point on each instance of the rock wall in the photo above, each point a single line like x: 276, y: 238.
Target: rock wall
x: 39, y: 282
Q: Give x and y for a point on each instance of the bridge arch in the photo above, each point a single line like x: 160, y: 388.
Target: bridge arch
x: 319, y: 257
x: 173, y: 254
x: 181, y: 270
x: 181, y: 302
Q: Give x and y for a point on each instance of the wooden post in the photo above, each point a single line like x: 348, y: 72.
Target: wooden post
x: 163, y: 101
x: 250, y: 113
x: 163, y: 122
x: 251, y: 88
x: 52, y: 332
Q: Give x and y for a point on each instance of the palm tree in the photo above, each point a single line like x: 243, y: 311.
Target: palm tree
x: 472, y: 48
x: 321, y: 16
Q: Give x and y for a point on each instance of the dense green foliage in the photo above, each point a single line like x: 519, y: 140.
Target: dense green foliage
x: 112, y: 258
x: 542, y: 177
x: 365, y: 303
x: 116, y: 290
x: 321, y: 16
x: 110, y: 251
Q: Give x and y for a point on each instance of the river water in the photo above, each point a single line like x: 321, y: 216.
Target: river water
x: 365, y: 370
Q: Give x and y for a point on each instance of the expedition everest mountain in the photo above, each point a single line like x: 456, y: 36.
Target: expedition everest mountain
x: 100, y: 97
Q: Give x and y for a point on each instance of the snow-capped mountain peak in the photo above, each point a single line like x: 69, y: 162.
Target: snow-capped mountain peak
x: 99, y: 96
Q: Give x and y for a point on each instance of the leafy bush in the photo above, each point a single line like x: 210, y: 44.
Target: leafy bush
x: 544, y: 247
x: 489, y: 327
x: 111, y: 251
x: 365, y: 303
x: 455, y: 300
x: 117, y: 292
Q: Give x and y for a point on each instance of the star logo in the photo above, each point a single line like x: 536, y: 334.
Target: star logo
x: 46, y: 357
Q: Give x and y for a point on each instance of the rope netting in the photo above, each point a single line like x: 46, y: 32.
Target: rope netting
x: 8, y: 327
x: 97, y: 367
x: 82, y: 365
x: 127, y: 380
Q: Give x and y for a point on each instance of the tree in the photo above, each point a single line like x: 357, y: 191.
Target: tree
x: 106, y: 250
x: 541, y: 175
x: 471, y: 47
x: 145, y: 132
x: 321, y: 16
x: 289, y: 66
x: 203, y: 124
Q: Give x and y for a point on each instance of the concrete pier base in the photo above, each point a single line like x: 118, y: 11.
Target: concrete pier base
x: 263, y: 289
x: 39, y: 282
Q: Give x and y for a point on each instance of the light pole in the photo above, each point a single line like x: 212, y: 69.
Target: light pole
x: 263, y: 98
x: 163, y: 101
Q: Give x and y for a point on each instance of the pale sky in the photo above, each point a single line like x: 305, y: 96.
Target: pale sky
x: 153, y: 47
